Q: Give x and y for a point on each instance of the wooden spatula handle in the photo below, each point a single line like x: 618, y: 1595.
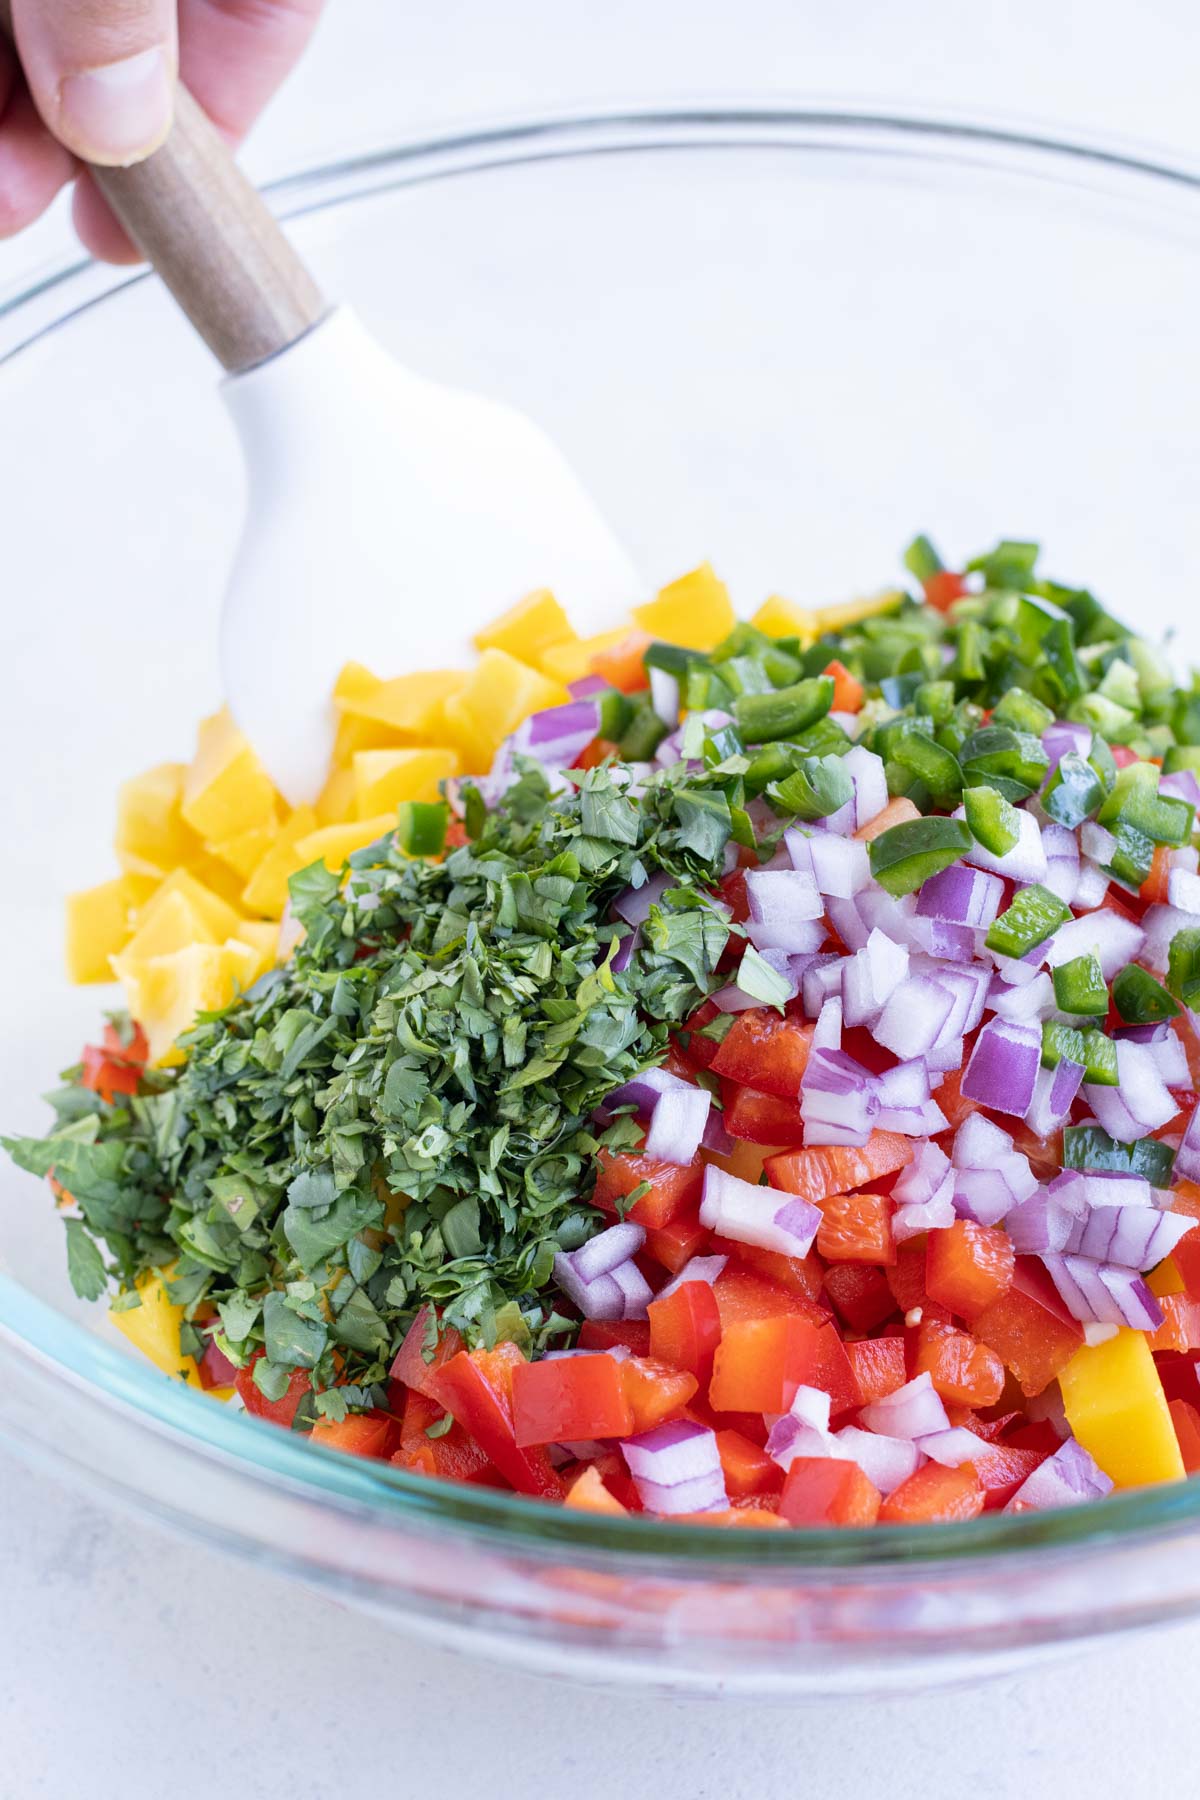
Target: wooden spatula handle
x: 216, y: 245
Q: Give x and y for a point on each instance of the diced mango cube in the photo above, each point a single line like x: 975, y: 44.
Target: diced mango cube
x: 845, y: 613
x: 694, y: 611
x: 154, y: 1327
x: 335, y: 802
x: 266, y: 891
x: 226, y: 789
x: 332, y: 844
x: 411, y: 704
x: 100, y: 924
x: 383, y: 778
x: 170, y: 922
x: 172, y: 990
x: 354, y: 734
x: 780, y: 618
x: 262, y: 937
x: 571, y: 662
x: 151, y: 837
x: 528, y: 628
x: 244, y: 852
x: 498, y: 694
x: 221, y: 918
x: 355, y: 682
x: 1116, y: 1407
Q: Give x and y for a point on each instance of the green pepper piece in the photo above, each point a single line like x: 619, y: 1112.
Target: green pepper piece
x: 765, y: 718
x: 1183, y: 966
x: 937, y: 768
x: 643, y: 734
x: 1091, y: 1048
x: 1140, y: 999
x: 1035, y: 915
x: 616, y: 710
x: 1135, y: 801
x: 1090, y: 1147
x: 936, y: 700
x: 905, y: 856
x: 1075, y: 791
x: 1181, y: 756
x: 994, y: 823
x: 674, y: 658
x: 1022, y: 712
x: 1079, y: 986
x: 922, y: 560
x: 421, y: 827
x: 1013, y: 762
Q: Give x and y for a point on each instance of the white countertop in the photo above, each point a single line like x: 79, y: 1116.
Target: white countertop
x: 135, y: 1666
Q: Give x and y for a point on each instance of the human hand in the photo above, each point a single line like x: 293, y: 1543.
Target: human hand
x: 94, y: 84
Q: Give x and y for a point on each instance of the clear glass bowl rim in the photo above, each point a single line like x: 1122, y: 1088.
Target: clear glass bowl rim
x: 32, y: 1330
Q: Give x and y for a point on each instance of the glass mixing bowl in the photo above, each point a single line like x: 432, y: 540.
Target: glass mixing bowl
x: 781, y: 339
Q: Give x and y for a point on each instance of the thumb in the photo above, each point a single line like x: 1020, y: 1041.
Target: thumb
x: 101, y: 72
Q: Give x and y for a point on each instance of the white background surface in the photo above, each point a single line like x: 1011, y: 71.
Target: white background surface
x: 133, y: 1666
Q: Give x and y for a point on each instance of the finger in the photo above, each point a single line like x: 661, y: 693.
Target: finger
x: 235, y: 53
x: 101, y: 72
x: 33, y: 165
x: 96, y: 226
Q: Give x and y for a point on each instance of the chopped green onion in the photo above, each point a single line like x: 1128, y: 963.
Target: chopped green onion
x: 994, y: 822
x: 1079, y: 986
x: 1140, y: 999
x: 1034, y: 915
x: 764, y: 718
x: 905, y: 856
x: 1096, y: 1053
x: 1183, y: 971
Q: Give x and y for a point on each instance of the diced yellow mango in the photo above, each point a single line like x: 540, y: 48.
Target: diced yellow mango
x: 100, y: 924
x: 332, y: 844
x: 852, y: 612
x: 354, y: 734
x: 528, y: 628
x: 262, y: 937
x: 695, y: 611
x: 169, y: 925
x: 1116, y: 1407
x: 226, y: 789
x: 153, y: 1328
x: 244, y: 852
x: 266, y: 891
x: 383, y: 778
x: 355, y: 682
x: 151, y: 837
x: 221, y: 918
x: 499, y: 693
x: 411, y: 704
x: 335, y: 802
x: 171, y: 990
x: 779, y: 618
x: 571, y: 662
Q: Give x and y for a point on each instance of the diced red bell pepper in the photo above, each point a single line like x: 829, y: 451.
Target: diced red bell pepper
x: 824, y: 1490
x: 691, y: 1042
x: 602, y: 1334
x: 1186, y: 1420
x: 1034, y: 1434
x: 1004, y: 1469
x: 1180, y: 1329
x: 685, y: 1328
x: 962, y: 1370
x: 968, y: 1266
x: 906, y: 1277
x: 800, y: 1275
x: 674, y: 1245
x: 766, y: 1052
x: 358, y: 1434
x: 760, y: 1118
x: 1029, y: 1328
x: 655, y: 1391
x: 108, y: 1075
x: 839, y: 1168
x: 879, y: 1366
x: 943, y: 588
x: 747, y: 1467
x: 860, y: 1294
x: 279, y: 1412
x: 673, y: 1189
x: 214, y: 1367
x: 1154, y: 889
x: 476, y: 1386
x: 934, y: 1496
x: 409, y: 1366
x: 760, y: 1363
x: 450, y: 1455
x: 856, y: 1228
x: 848, y: 690
x: 1185, y: 1199
x: 623, y: 665
x: 732, y: 893
x: 566, y: 1398
x: 951, y: 1101
x: 587, y: 1493
x: 598, y: 751
x: 136, y: 1051
x: 742, y: 1294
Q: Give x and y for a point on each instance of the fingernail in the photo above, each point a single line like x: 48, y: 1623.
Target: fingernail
x: 120, y: 112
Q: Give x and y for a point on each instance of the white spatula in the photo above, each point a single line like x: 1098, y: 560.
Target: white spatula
x: 387, y: 516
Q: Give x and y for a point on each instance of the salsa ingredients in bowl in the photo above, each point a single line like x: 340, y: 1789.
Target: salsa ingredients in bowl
x: 765, y: 1095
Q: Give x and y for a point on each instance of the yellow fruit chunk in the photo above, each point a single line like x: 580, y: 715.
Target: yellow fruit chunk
x: 1116, y: 1407
x: 153, y: 1328
x: 100, y: 924
x: 571, y: 662
x: 852, y: 612
x: 383, y: 778
x: 171, y: 990
x: 151, y: 837
x: 221, y: 918
x: 355, y: 682
x: 498, y: 694
x: 780, y: 618
x: 332, y: 844
x: 528, y: 628
x: 694, y: 611
x: 266, y: 891
x: 411, y: 704
x: 354, y: 734
x: 244, y: 852
x: 171, y: 925
x: 335, y: 802
x: 226, y: 789
x: 262, y: 937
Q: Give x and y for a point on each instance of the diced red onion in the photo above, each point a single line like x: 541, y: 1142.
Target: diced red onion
x: 626, y: 950
x: 887, y: 1461
x: 784, y: 907
x: 953, y: 1447
x: 1021, y: 1005
x: 1068, y: 1477
x: 558, y: 735
x: 790, y: 1437
x: 923, y: 1177
x: 828, y: 1034
x: 822, y: 977
x: 762, y: 1216
x: 1183, y: 891
x: 1109, y: 936
x: 1019, y: 971
x: 1187, y: 1156
x: 979, y: 1144
x: 1092, y: 886
x: 837, y: 1099
x: 870, y: 977
x: 983, y: 1195
x: 601, y: 1254
x: 586, y: 686
x: 1136, y: 1237
x: 1140, y: 1103
x: 635, y: 1289
x: 961, y: 896
x: 1170, y: 1059
x: 1054, y: 1093
x: 1003, y: 1067
x: 676, y: 1468
x: 953, y: 943
x: 912, y: 1411
x: 601, y: 1299
x: 848, y: 922
x: 1181, y: 785
x: 1160, y: 924
x: 697, y: 1268
x: 866, y: 771
x: 634, y: 904
x: 1062, y: 861
x: 1103, y: 1293
x: 915, y: 1017
x: 1062, y: 736
x: 1097, y: 842
x: 664, y: 696
x: 840, y: 866
x: 678, y: 1124
x: 1026, y: 861
x: 935, y: 1214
